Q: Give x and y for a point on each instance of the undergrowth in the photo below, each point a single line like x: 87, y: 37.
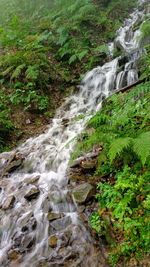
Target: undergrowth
x: 122, y: 128
x: 46, y: 45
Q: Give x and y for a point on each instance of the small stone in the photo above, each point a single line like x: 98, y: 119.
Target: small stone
x: 8, y: 203
x: 52, y: 241
x: 89, y: 164
x: 28, y: 121
x: 32, y: 193
x: 54, y: 216
x: 31, y: 180
x: 83, y: 193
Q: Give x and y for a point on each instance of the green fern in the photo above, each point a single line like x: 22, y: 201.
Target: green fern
x: 7, y: 71
x: 32, y: 72
x: 118, y: 146
x: 17, y: 71
x: 141, y: 146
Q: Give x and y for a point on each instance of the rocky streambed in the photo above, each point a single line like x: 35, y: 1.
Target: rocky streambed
x: 68, y: 243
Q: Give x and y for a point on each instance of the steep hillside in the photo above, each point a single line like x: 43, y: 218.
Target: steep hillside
x: 45, y: 47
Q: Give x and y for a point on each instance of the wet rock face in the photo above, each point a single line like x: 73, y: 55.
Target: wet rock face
x: 83, y: 193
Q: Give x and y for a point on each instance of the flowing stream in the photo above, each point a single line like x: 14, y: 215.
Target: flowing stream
x: 25, y: 228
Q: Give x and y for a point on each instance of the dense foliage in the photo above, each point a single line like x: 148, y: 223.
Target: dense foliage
x: 45, y: 46
x: 122, y: 128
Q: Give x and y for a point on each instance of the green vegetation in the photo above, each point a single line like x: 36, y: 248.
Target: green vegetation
x: 122, y: 128
x: 45, y: 46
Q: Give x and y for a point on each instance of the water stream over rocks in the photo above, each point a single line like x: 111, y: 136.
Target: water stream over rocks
x: 39, y: 220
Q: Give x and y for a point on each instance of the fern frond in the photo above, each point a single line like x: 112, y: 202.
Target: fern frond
x: 32, y: 72
x: 7, y: 71
x: 118, y: 146
x: 17, y: 71
x: 141, y: 146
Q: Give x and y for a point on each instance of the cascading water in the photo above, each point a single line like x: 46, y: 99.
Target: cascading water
x: 25, y: 228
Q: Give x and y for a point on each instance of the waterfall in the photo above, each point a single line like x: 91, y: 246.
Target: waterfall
x: 25, y: 227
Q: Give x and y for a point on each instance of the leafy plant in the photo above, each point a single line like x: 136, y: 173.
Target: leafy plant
x: 139, y: 145
x: 122, y: 128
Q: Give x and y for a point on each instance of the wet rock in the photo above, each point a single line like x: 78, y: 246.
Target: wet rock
x: 32, y: 193
x: 83, y: 193
x: 32, y: 179
x: 13, y: 255
x: 23, y: 241
x: 88, y: 157
x: 30, y: 225
x: 43, y: 263
x: 65, y: 237
x: 76, y: 175
x: 118, y: 45
x: 81, y: 209
x: 8, y: 203
x: 11, y: 164
x: 65, y: 207
x: 27, y: 242
x: 123, y: 60
x: 54, y: 216
x: 65, y: 122
x: 25, y: 218
x: 61, y: 224
x: 89, y: 164
x: 4, y: 183
x: 55, y: 196
x: 52, y: 241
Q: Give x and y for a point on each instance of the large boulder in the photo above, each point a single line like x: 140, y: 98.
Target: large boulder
x: 83, y: 193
